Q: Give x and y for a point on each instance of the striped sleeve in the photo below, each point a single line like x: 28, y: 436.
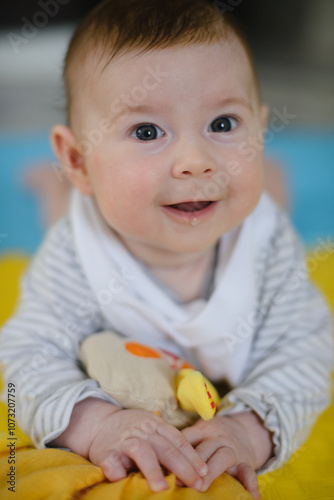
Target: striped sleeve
x: 39, y: 345
x: 287, y: 379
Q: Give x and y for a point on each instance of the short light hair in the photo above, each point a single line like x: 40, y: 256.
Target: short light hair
x: 120, y: 26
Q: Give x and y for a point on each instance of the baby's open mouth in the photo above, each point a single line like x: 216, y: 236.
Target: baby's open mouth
x: 191, y: 206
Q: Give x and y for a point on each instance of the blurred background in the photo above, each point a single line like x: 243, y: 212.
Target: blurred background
x: 293, y: 45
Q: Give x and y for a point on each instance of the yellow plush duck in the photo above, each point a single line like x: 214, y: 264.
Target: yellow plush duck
x: 195, y: 393
x: 143, y: 377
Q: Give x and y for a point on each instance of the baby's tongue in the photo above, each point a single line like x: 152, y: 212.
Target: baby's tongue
x: 191, y: 206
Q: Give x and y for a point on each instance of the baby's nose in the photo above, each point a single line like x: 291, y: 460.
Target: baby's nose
x: 193, y: 160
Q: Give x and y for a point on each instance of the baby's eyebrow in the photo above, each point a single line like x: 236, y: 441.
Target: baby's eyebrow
x: 140, y: 108
x: 235, y: 100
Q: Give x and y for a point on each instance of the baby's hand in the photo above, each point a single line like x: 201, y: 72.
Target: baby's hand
x: 139, y: 437
x: 237, y: 444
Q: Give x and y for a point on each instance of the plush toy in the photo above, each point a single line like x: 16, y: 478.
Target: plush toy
x: 142, y: 377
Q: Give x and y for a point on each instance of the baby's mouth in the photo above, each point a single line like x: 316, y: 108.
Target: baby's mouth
x: 191, y: 206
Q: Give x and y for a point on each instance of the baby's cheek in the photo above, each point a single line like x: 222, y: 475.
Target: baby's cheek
x: 247, y: 164
x: 125, y: 215
x: 245, y: 188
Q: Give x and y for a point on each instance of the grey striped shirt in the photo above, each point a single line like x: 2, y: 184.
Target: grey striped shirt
x: 286, y: 380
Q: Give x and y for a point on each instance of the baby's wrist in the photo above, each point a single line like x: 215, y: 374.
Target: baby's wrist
x: 259, y: 436
x: 87, y: 418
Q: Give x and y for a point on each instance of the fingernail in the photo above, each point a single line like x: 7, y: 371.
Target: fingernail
x: 161, y: 485
x: 198, y: 485
x: 204, y: 488
x: 203, y: 470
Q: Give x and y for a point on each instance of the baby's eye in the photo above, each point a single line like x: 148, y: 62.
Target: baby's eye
x: 147, y: 132
x: 223, y: 124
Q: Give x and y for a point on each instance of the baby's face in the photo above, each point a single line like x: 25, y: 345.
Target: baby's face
x: 174, y: 167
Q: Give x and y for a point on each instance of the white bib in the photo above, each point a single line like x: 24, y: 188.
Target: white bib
x: 208, y: 332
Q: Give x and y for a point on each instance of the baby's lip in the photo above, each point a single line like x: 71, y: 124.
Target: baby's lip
x: 191, y: 213
x: 191, y: 206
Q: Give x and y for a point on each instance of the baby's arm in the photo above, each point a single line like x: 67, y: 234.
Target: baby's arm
x: 287, y: 380
x: 116, y: 439
x: 39, y: 345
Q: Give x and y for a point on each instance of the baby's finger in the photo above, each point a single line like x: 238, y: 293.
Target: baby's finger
x: 146, y: 459
x: 219, y: 462
x: 170, y: 456
x: 193, y: 435
x: 179, y: 441
x: 207, y: 448
x: 247, y: 477
x: 112, y: 466
x: 127, y: 462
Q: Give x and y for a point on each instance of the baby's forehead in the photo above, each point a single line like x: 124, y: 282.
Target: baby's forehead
x: 98, y: 70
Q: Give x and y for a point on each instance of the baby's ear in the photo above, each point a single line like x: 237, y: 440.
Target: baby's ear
x: 65, y: 146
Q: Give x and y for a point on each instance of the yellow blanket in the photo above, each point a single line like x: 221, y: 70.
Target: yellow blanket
x: 60, y: 475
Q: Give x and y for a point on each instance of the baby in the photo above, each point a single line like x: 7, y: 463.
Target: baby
x: 170, y: 240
